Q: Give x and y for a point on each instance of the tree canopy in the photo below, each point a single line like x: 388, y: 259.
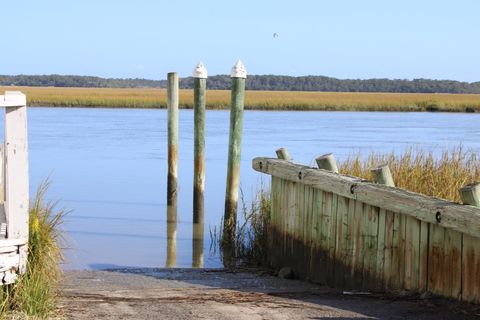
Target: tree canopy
x: 255, y: 82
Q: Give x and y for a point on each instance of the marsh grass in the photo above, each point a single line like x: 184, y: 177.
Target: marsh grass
x: 248, y: 247
x: 36, y: 292
x: 251, y: 236
x: 420, y: 171
x: 254, y: 100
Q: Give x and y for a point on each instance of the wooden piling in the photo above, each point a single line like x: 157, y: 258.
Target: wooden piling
x: 199, y: 88
x: 171, y: 244
x: 199, y: 93
x: 3, y: 217
x: 327, y: 162
x: 383, y: 175
x: 16, y: 185
x: 2, y: 172
x: 238, y: 76
x: 172, y: 105
x: 470, y: 194
x: 282, y: 153
x: 172, y: 186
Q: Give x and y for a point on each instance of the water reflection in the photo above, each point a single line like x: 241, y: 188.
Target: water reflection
x: 197, y: 245
x: 171, y: 237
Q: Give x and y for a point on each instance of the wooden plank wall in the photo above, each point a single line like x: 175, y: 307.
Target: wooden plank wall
x: 342, y: 242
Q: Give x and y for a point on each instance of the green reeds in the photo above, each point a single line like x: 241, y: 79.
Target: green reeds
x: 251, y: 236
x: 250, y: 244
x: 36, y: 292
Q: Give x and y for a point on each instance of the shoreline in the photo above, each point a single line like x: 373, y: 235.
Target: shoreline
x: 118, y: 98
x: 253, y: 108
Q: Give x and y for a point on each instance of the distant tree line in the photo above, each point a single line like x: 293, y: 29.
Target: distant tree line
x: 56, y: 80
x: 255, y: 82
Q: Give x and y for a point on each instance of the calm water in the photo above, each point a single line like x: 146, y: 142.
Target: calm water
x: 109, y: 167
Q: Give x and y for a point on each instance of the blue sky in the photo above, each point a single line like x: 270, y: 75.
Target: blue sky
x: 344, y: 39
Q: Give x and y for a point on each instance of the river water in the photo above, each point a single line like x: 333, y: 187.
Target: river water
x: 109, y: 167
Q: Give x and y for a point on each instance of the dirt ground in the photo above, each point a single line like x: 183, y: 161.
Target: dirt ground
x: 219, y: 294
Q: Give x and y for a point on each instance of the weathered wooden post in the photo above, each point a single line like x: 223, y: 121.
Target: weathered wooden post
x: 238, y: 75
x: 199, y: 93
x: 327, y: 162
x: 3, y: 217
x: 172, y: 185
x: 383, y: 175
x: 283, y: 154
x: 470, y: 194
x: 16, y: 187
x: 171, y: 244
x: 172, y: 104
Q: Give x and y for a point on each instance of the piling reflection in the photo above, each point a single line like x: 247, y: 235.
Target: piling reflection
x: 171, y: 237
x: 197, y: 245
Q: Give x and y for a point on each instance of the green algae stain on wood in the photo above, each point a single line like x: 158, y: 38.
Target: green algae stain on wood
x: 337, y: 239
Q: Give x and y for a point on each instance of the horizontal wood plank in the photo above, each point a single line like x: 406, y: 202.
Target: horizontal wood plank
x: 439, y: 212
x: 13, y: 242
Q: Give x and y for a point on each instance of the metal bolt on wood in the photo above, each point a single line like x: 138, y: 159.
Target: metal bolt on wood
x: 383, y: 175
x: 327, y: 162
x: 470, y: 194
x: 283, y: 154
x: 238, y: 76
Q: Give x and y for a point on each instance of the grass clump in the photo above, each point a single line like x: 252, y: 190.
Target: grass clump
x: 36, y: 292
x: 421, y: 171
x: 249, y: 246
x: 252, y: 234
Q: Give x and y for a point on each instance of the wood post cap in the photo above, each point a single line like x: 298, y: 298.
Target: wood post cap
x: 238, y: 70
x: 471, y: 186
x: 324, y: 156
x: 200, y: 71
x: 379, y: 168
x: 13, y: 99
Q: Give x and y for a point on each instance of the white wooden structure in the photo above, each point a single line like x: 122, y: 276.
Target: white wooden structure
x: 14, y: 191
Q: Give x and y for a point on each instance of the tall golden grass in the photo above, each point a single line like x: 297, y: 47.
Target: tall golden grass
x: 257, y: 100
x: 422, y: 172
x: 35, y: 293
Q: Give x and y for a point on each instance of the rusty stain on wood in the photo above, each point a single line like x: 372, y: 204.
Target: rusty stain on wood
x: 436, y: 259
x: 328, y: 234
